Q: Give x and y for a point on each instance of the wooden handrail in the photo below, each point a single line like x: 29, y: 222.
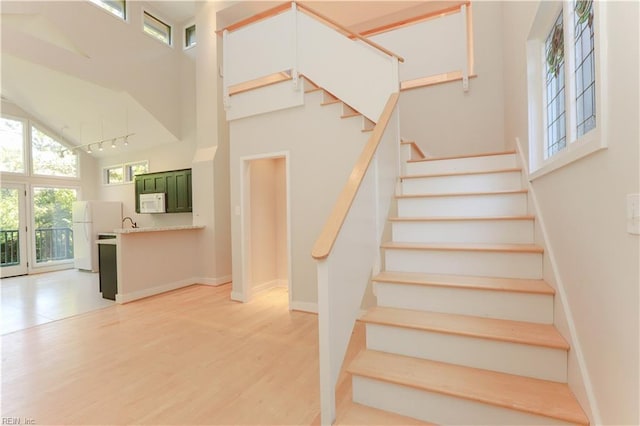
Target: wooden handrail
x: 257, y: 17
x: 438, y: 13
x: 326, y: 240
x: 350, y: 33
x: 285, y: 6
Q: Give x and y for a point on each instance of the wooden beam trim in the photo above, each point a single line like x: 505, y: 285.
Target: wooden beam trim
x: 259, y: 82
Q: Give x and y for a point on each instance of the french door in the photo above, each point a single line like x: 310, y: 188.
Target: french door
x: 13, y: 230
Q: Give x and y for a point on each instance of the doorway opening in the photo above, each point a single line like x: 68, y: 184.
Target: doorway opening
x: 265, y: 223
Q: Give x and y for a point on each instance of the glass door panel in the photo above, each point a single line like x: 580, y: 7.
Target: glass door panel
x: 13, y: 241
x: 53, y: 227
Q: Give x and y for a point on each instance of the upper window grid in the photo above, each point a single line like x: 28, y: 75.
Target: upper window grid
x: 584, y: 47
x: 49, y: 157
x: 115, y: 7
x: 157, y: 29
x: 555, y: 90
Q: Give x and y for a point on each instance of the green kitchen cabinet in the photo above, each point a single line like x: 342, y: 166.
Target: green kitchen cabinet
x: 179, y: 191
x: 175, y: 184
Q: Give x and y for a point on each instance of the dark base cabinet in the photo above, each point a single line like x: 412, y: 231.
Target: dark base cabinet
x: 108, y: 271
x: 175, y: 184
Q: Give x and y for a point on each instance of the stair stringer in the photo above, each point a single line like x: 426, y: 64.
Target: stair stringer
x: 577, y: 373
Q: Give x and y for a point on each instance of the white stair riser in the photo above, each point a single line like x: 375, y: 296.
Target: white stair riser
x: 473, y: 164
x: 505, y: 357
x: 510, y: 181
x: 480, y: 231
x: 484, y: 264
x: 464, y: 206
x: 513, y: 306
x: 405, y: 152
x: 438, y: 408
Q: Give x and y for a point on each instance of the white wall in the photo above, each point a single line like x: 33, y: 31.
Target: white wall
x: 268, y: 223
x: 443, y: 119
x: 583, y: 208
x: 322, y: 151
x: 262, y: 222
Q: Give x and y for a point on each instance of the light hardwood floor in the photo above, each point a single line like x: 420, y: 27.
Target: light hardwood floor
x: 191, y: 356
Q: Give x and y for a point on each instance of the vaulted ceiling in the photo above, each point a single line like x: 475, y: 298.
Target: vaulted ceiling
x: 90, y: 76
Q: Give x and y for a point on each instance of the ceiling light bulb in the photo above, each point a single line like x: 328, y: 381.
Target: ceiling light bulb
x: 126, y: 140
x: 89, y: 149
x: 113, y: 143
x: 100, y: 146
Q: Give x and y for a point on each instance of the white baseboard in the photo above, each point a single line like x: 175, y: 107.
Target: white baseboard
x: 225, y: 279
x: 303, y: 307
x: 152, y: 291
x: 282, y: 283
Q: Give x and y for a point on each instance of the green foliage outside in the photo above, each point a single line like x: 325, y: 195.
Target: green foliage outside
x: 9, y: 208
x: 11, y: 145
x: 52, y: 207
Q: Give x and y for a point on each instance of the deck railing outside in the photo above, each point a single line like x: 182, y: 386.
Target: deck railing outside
x: 51, y: 244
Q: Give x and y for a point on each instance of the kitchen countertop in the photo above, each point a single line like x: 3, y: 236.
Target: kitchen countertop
x: 157, y: 229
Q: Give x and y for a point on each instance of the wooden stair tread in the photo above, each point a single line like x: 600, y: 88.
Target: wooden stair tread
x: 534, y: 396
x: 351, y: 114
x: 330, y: 102
x: 455, y: 157
x: 462, y: 173
x: 463, y: 194
x: 358, y: 414
x: 459, y: 219
x: 512, y: 248
x: 313, y: 89
x: 527, y: 333
x: 516, y: 285
x: 366, y: 130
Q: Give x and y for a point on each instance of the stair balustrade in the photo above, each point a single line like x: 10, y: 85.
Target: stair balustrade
x: 347, y: 251
x: 299, y: 41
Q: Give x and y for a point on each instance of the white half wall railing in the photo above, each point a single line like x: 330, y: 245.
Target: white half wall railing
x: 348, y: 249
x: 436, y: 49
x: 298, y: 41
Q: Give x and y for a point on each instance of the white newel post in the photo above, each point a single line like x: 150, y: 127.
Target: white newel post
x: 295, y: 78
x: 327, y: 387
x: 465, y: 51
x: 226, y: 101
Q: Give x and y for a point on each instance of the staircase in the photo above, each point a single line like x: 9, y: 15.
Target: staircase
x: 463, y: 332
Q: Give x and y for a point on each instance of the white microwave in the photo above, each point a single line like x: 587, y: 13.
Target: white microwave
x: 152, y: 203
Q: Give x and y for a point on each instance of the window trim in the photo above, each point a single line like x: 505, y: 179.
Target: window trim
x: 127, y: 177
x: 101, y: 5
x: 146, y: 12
x: 58, y: 139
x: 186, y: 46
x: 592, y: 141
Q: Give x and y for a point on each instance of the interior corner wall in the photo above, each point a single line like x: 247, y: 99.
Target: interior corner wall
x: 210, y: 176
x: 282, y: 264
x: 443, y: 119
x: 322, y: 149
x: 583, y: 206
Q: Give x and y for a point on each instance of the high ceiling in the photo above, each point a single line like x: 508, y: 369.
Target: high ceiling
x: 89, y: 76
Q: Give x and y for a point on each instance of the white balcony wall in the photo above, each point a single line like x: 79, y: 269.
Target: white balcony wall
x: 431, y: 47
x: 260, y: 49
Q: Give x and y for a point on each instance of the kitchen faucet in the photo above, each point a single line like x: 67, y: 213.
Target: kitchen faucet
x: 133, y: 224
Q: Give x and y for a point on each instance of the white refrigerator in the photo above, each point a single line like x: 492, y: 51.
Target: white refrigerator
x: 89, y: 219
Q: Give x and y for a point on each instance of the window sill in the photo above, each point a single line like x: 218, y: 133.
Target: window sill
x: 574, y: 152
